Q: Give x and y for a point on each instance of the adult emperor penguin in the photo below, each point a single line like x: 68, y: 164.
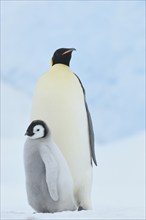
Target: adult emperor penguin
x: 49, y: 182
x: 59, y: 99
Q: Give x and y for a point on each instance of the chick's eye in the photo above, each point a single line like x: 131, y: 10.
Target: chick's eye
x: 38, y: 129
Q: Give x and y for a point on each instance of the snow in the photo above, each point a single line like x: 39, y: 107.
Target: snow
x: 118, y: 183
x: 110, y: 60
x: 15, y: 111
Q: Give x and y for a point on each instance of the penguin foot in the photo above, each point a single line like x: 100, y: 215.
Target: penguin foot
x: 80, y: 208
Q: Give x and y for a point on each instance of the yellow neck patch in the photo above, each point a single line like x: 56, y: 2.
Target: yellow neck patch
x: 51, y: 62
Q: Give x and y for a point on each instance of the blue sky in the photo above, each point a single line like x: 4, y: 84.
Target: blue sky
x: 110, y: 59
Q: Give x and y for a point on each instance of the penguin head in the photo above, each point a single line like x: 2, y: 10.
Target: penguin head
x: 62, y: 56
x: 37, y: 129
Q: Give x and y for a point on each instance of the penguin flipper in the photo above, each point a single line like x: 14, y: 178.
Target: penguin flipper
x: 91, y: 134
x: 90, y: 126
x: 51, y: 172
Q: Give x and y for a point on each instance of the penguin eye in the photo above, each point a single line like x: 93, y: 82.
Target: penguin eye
x: 38, y: 129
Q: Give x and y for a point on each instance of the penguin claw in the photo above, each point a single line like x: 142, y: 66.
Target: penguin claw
x: 80, y: 208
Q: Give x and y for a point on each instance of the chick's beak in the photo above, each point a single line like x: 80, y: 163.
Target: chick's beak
x: 26, y: 133
x: 29, y: 133
x: 69, y: 51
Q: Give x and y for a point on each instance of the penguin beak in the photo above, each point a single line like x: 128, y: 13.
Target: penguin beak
x: 69, y: 51
x: 29, y: 134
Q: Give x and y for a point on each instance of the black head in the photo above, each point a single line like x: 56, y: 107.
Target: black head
x: 62, y: 55
x: 37, y: 129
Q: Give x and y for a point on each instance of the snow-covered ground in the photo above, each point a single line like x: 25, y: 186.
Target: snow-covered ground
x: 118, y: 184
x: 110, y: 60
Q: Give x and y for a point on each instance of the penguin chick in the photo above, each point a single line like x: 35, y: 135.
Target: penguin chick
x: 49, y: 184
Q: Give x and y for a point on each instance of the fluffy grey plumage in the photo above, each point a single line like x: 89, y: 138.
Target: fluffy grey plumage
x: 49, y: 183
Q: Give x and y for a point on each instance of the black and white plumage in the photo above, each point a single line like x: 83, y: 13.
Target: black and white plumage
x: 60, y: 100
x: 49, y: 183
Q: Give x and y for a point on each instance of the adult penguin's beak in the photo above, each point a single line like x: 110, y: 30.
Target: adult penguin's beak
x: 69, y: 51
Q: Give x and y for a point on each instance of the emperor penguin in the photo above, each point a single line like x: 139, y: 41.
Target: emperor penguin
x: 59, y: 99
x: 49, y: 183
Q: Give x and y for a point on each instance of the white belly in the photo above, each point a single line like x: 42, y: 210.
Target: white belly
x: 59, y: 101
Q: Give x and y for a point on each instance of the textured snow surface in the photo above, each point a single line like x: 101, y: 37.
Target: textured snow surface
x: 118, y: 183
